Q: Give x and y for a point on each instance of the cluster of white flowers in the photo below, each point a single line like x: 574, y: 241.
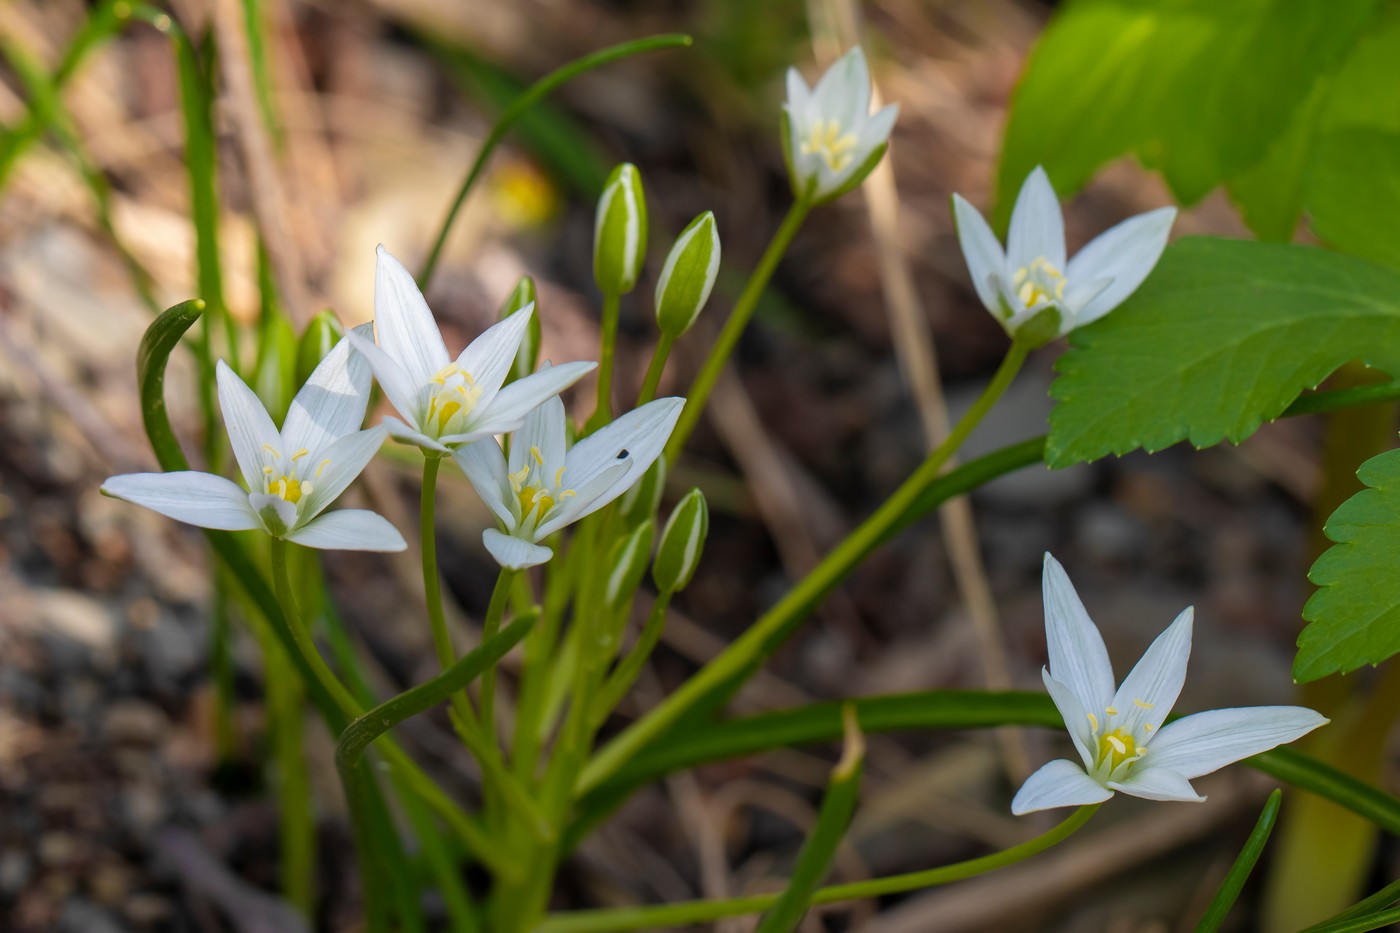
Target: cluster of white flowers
x: 447, y: 407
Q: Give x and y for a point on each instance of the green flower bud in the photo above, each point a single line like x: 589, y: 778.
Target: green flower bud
x: 275, y: 373
x: 627, y: 562
x: 529, y: 355
x: 641, y: 501
x: 323, y: 332
x: 620, y: 232
x: 681, y: 543
x: 688, y: 276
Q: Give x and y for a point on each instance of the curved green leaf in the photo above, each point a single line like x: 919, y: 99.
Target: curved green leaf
x: 1234, y: 881
x: 1221, y: 337
x: 1354, y: 617
x: 157, y: 344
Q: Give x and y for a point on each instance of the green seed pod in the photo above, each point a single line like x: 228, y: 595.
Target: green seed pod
x: 620, y: 232
x: 641, y: 501
x: 627, y: 562
x: 688, y: 276
x: 681, y: 543
x: 322, y: 333
x: 529, y: 356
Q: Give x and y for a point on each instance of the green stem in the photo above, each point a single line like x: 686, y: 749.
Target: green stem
x: 517, y: 109
x: 539, y: 652
x: 733, y: 329
x: 717, y: 679
x: 489, y: 627
x: 602, y: 412
x: 297, y: 824
x: 630, y: 668
x: 432, y: 586
x: 693, y: 912
x: 657, y: 367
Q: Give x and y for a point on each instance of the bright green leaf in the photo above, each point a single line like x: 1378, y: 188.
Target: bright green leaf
x: 1353, y: 192
x: 1221, y: 337
x: 1354, y: 617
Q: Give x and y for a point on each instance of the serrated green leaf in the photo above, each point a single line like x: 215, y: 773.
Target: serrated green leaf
x: 1221, y: 337
x: 1196, y: 89
x: 1354, y: 617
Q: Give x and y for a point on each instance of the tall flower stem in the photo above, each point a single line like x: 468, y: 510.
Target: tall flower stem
x: 717, y: 679
x: 733, y: 328
x: 657, y: 367
x: 667, y: 916
x: 432, y: 585
x: 602, y: 413
x: 489, y: 627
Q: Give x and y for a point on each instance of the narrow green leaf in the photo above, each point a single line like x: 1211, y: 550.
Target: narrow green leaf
x: 818, y: 852
x: 157, y: 344
x: 1244, y: 864
x: 1362, y: 924
x: 361, y: 732
x: 1221, y: 337
x: 1385, y: 897
x: 1354, y: 617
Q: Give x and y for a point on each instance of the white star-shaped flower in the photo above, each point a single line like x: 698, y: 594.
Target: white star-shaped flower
x: 292, y: 475
x: 547, y: 485
x: 445, y: 403
x: 1119, y: 734
x: 833, y: 139
x: 1032, y: 275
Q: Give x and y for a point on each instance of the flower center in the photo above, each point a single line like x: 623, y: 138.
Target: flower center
x: 1039, y: 283
x: 282, y: 480
x: 537, y: 496
x: 825, y: 139
x: 1117, y: 746
x: 455, y: 394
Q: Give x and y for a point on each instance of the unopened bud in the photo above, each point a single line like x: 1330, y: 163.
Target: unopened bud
x: 641, y: 501
x: 682, y: 542
x: 688, y: 276
x: 620, y: 232
x: 322, y: 333
x: 528, y: 356
x: 627, y: 562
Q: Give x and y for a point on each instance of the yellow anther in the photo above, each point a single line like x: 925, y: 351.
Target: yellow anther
x: 1111, y: 710
x: 1141, y: 705
x: 536, y: 455
x: 559, y: 476
x: 1093, y: 722
x: 566, y: 494
x: 299, y: 454
x: 1117, y: 747
x: 825, y: 138
x: 1038, y: 283
x: 272, y: 450
x: 1117, y: 744
x: 1147, y: 727
x: 288, y: 487
x: 321, y: 467
x: 267, y: 470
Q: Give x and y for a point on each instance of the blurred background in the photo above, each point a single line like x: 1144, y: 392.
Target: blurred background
x: 134, y: 778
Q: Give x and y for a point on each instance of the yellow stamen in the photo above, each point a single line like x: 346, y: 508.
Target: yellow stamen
x: 1038, y: 283
x: 272, y: 450
x: 1141, y: 705
x: 1117, y: 747
x: 1111, y: 710
x: 825, y: 138
x: 1093, y: 722
x: 299, y: 454
x: 321, y: 467
x: 536, y: 455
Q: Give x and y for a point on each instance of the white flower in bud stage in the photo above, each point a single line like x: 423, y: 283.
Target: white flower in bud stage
x: 292, y: 474
x: 1031, y: 275
x: 1119, y: 734
x: 833, y: 140
x: 447, y: 403
x: 547, y: 485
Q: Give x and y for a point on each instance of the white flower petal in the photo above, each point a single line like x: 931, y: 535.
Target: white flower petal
x: 642, y: 432
x: 1078, y: 658
x: 877, y: 129
x: 403, y: 321
x: 1077, y: 297
x: 1204, y: 742
x: 1158, y: 783
x: 1150, y: 690
x: 798, y: 97
x: 513, y: 553
x: 588, y: 498
x: 843, y: 92
x: 485, y: 467
x: 404, y: 394
x: 490, y: 356
x: 544, y: 432
x: 985, y: 259
x: 1076, y: 718
x: 407, y: 435
x: 515, y: 401
x: 1126, y: 254
x: 331, y: 404
x: 1060, y: 783
x: 201, y: 499
x: 349, y: 530
x: 337, y: 468
x: 1037, y: 226
x: 250, y: 429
